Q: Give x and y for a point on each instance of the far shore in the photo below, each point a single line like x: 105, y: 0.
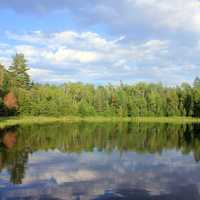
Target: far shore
x: 11, y: 121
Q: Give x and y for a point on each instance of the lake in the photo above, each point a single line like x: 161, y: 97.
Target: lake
x: 100, y: 161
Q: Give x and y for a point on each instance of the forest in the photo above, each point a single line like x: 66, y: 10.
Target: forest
x: 19, y: 95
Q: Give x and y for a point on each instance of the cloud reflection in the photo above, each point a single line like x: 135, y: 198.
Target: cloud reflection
x: 98, y: 174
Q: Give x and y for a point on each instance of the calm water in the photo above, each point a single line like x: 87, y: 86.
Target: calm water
x: 100, y: 162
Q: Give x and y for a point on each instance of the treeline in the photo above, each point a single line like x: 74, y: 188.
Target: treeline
x: 19, y: 96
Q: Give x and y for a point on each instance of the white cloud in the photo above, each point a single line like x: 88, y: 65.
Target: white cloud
x: 90, y: 57
x: 35, y: 37
x: 50, y: 76
x: 86, y: 47
x: 63, y: 55
x: 174, y: 14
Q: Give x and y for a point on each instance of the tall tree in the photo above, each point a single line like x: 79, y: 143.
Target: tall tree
x: 186, y: 94
x: 196, y: 97
x: 19, y: 70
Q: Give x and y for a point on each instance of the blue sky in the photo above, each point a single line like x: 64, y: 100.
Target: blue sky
x: 103, y: 41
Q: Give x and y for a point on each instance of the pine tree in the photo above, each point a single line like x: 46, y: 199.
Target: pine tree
x: 19, y: 70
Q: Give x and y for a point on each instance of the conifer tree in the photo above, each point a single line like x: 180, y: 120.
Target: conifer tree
x: 19, y: 70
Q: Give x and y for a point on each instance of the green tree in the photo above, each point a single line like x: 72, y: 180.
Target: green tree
x: 187, y: 97
x: 196, y: 97
x: 19, y: 70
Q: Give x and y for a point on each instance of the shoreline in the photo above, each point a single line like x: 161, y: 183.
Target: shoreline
x: 11, y: 121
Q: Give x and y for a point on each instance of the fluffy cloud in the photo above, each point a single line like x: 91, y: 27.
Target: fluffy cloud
x: 90, y: 57
x: 178, y: 14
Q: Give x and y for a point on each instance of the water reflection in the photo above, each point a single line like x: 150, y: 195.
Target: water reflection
x: 7, y: 141
x: 104, y: 161
x: 8, y: 137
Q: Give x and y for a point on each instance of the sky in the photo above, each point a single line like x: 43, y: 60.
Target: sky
x: 103, y: 41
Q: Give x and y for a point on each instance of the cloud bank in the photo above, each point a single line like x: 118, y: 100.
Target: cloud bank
x: 90, y: 57
x: 131, y: 40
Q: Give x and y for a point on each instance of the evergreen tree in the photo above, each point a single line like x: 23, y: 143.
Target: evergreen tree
x: 19, y: 70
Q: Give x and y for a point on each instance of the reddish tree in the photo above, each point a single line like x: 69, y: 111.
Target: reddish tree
x: 10, y: 100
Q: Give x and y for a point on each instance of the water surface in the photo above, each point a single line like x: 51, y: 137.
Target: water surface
x: 100, y: 161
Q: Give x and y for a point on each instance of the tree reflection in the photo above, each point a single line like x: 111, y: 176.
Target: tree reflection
x: 14, y: 160
x: 7, y: 141
x: 8, y: 137
x: 140, y: 138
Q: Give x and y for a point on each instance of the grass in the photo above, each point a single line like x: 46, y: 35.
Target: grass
x: 5, y: 122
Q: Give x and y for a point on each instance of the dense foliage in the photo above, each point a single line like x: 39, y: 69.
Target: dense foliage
x: 141, y: 99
